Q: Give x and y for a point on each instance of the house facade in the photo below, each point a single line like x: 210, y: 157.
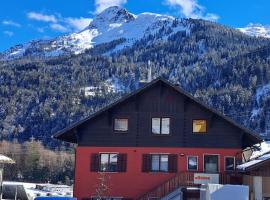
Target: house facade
x: 149, y: 137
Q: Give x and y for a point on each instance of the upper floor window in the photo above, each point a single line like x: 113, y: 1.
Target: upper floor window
x: 192, y: 163
x: 121, y: 124
x: 161, y: 126
x: 199, y: 126
x: 229, y: 163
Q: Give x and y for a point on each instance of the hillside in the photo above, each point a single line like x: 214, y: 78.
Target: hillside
x: 223, y: 67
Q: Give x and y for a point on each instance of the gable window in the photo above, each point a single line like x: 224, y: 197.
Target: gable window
x: 161, y: 126
x: 229, y: 163
x: 159, y: 163
x: 199, y: 126
x: 192, y: 163
x: 121, y: 124
x: 211, y: 163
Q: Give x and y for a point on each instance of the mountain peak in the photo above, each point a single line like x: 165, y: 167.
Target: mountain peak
x: 114, y: 14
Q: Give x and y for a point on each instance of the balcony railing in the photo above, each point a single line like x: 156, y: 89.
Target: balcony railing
x: 185, y: 179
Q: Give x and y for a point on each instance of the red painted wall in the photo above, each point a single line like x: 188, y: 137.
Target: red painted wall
x: 134, y: 182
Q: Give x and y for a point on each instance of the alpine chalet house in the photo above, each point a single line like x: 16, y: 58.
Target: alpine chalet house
x: 153, y: 141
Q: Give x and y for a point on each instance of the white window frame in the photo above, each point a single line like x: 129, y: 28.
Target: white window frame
x: 159, y: 154
x: 109, y: 153
x: 225, y: 163
x: 161, y: 125
x: 212, y: 154
x: 198, y: 132
x: 197, y: 157
x: 118, y: 130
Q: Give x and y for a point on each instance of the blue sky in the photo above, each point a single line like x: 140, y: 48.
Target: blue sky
x: 25, y: 20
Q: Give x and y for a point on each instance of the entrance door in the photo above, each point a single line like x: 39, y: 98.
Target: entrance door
x: 211, y: 163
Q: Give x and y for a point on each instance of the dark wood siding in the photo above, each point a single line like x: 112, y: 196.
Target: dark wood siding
x: 159, y: 101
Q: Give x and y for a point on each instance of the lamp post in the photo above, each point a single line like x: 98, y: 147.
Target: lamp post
x: 3, y: 160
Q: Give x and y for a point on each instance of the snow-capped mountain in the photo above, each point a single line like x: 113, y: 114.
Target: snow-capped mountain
x: 112, y: 24
x: 256, y: 30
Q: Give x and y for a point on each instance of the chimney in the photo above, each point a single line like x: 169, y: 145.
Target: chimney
x: 149, y: 75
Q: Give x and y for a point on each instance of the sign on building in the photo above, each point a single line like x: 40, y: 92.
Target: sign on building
x: 202, y: 178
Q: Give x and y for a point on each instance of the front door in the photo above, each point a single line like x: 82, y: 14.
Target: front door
x: 211, y: 163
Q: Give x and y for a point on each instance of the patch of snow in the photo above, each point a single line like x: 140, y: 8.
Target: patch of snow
x: 34, y: 190
x: 253, y: 162
x: 114, y: 85
x: 256, y: 30
x: 255, y: 112
x: 112, y: 24
x: 264, y: 148
x: 262, y: 92
x: 5, y: 160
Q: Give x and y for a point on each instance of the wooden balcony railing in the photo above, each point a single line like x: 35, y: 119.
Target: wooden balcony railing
x: 184, y: 179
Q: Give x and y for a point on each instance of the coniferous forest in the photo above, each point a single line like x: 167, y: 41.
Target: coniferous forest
x: 223, y: 67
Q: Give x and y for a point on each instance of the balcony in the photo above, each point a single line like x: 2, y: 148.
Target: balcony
x: 186, y: 179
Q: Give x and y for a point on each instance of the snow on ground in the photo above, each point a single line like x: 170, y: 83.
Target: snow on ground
x: 5, y: 159
x: 33, y: 189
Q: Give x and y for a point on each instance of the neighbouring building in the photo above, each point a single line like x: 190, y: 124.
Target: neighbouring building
x: 257, y: 173
x: 151, y: 142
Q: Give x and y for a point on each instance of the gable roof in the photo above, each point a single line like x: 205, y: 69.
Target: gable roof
x: 69, y: 134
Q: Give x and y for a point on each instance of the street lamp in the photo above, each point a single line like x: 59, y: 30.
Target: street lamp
x: 3, y: 160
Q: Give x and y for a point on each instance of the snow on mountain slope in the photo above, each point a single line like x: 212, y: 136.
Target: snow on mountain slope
x: 112, y: 24
x: 256, y: 30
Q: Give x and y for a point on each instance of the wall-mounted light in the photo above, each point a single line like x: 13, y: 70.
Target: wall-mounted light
x: 182, y: 154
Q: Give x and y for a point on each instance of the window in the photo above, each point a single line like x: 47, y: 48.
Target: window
x: 211, y: 163
x: 192, y: 163
x: 161, y: 126
x: 229, y: 163
x: 159, y: 162
x: 199, y: 126
x: 108, y: 162
x: 121, y: 124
